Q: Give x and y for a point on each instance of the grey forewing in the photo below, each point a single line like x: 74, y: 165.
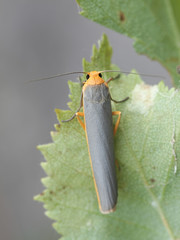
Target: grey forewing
x: 99, y: 128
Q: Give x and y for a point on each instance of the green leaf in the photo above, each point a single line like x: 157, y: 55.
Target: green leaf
x: 147, y: 147
x: 154, y: 26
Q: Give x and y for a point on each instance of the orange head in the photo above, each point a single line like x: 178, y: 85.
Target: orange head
x: 93, y: 78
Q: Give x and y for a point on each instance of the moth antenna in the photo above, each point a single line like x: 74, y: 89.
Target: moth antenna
x: 70, y: 73
x: 142, y: 74
x: 55, y: 76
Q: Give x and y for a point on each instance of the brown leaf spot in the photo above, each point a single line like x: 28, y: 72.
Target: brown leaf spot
x: 152, y: 180
x: 121, y: 16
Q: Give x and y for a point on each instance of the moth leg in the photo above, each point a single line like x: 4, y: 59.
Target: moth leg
x: 118, y: 120
x: 78, y: 114
x: 81, y: 103
x: 113, y: 78
x: 115, y: 130
x: 81, y: 83
x: 120, y: 100
x: 117, y: 165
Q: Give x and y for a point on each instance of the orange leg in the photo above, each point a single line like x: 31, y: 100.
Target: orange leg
x: 79, y: 120
x: 115, y: 130
x: 117, y: 165
x: 118, y: 120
